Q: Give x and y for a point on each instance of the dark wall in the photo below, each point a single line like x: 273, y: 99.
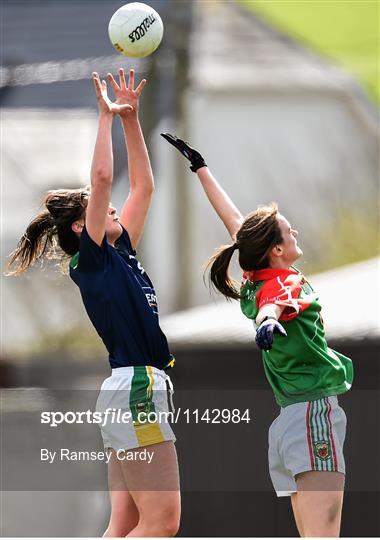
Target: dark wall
x: 226, y: 489
x: 239, y: 456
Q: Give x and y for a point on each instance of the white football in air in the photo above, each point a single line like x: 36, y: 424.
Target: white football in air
x: 135, y: 30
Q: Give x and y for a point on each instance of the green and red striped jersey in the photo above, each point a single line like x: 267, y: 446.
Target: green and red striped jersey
x: 299, y: 367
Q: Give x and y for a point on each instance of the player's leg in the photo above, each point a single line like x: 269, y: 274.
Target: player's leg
x: 296, y: 513
x: 319, y: 502
x: 312, y: 438
x: 154, y: 487
x: 124, y: 513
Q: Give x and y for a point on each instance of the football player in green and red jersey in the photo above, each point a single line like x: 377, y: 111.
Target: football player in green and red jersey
x: 306, y: 440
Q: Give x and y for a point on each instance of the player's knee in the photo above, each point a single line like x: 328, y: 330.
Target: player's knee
x: 327, y: 524
x: 171, y: 527
x: 333, y: 512
x: 121, y: 525
x: 165, y: 522
x: 169, y: 520
x: 116, y: 531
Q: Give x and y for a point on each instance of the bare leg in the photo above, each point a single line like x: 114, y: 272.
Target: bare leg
x: 296, y: 513
x: 319, y: 503
x: 154, y: 488
x: 124, y: 513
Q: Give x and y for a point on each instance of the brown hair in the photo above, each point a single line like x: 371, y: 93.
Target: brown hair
x: 51, y: 227
x: 259, y: 233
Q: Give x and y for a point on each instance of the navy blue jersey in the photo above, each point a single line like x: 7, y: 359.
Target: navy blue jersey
x: 121, y: 302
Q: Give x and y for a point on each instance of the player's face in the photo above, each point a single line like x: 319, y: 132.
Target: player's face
x: 113, y: 227
x: 290, y: 249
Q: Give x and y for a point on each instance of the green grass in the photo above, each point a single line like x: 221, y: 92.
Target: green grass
x: 350, y: 235
x: 345, y: 31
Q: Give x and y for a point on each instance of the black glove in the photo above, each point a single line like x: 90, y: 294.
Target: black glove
x: 192, y: 155
x: 266, y: 331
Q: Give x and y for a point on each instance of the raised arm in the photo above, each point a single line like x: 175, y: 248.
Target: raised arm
x: 135, y: 209
x: 102, y: 163
x: 221, y: 202
x: 223, y: 205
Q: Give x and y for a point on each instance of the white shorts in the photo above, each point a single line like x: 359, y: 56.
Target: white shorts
x: 133, y: 403
x: 307, y: 436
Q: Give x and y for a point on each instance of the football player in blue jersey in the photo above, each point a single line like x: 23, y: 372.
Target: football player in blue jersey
x: 121, y: 303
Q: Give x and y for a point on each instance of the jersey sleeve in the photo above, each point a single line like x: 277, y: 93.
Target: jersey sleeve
x: 124, y: 242
x: 92, y: 258
x: 283, y: 292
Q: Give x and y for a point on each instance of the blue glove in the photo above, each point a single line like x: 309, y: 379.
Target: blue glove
x: 264, y: 334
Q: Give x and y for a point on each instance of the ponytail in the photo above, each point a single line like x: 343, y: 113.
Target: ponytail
x: 51, y: 228
x: 34, y: 243
x: 259, y: 233
x: 219, y: 276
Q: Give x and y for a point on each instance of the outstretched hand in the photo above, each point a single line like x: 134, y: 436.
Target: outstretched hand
x: 104, y: 103
x: 186, y: 150
x: 126, y: 94
x: 265, y: 333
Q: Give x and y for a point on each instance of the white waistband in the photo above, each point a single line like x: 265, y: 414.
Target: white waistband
x: 332, y: 399
x: 120, y: 370
x: 128, y: 370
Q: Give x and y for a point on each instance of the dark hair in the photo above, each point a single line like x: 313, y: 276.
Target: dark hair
x: 259, y: 233
x: 51, y: 227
